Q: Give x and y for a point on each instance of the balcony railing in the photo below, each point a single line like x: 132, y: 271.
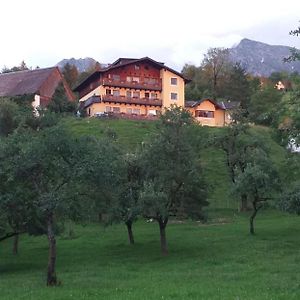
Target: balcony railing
x: 133, y: 84
x: 129, y: 100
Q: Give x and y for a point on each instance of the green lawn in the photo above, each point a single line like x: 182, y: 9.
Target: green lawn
x: 129, y: 133
x: 215, y: 261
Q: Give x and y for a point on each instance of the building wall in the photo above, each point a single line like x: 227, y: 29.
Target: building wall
x: 89, y: 86
x: 168, y: 88
x: 217, y: 120
x: 100, y: 90
x: 102, y: 107
x: 141, y: 70
x: 219, y: 117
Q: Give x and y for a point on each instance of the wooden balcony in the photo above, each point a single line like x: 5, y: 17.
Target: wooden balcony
x: 133, y: 84
x: 127, y: 100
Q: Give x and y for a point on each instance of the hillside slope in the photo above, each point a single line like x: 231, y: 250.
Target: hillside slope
x: 130, y: 134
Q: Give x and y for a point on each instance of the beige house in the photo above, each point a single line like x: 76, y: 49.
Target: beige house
x: 132, y: 87
x: 211, y: 113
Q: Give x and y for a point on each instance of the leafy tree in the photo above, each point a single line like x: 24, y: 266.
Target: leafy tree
x: 128, y: 207
x: 237, y: 87
x: 173, y: 181
x: 70, y: 74
x: 8, y: 117
x: 15, y: 193
x: 215, y: 65
x: 295, y: 54
x: 258, y: 182
x: 47, y: 163
x: 236, y: 143
x: 290, y: 199
x: 264, y: 105
x: 194, y: 90
x: 60, y: 102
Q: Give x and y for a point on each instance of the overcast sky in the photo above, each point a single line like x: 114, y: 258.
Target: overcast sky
x: 172, y: 31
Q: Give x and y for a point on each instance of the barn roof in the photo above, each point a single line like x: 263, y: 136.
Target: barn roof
x: 23, y: 82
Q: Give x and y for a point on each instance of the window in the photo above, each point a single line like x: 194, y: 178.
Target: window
x: 173, y: 96
x: 136, y: 94
x: 116, y: 110
x: 89, y: 111
x: 108, y: 108
x: 153, y: 96
x: 132, y: 79
x: 146, y: 79
x: 116, y: 77
x: 129, y: 111
x: 153, y: 81
x: 174, y: 81
x: 147, y: 95
x: 136, y: 111
x: 136, y: 67
x: 204, y: 114
x: 128, y: 94
x: 108, y: 92
x: 116, y: 93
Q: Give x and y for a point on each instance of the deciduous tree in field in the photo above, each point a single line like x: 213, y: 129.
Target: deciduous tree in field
x: 46, y: 163
x: 259, y: 181
x: 173, y: 180
x: 126, y: 208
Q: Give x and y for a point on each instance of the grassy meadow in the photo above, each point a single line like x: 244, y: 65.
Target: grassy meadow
x: 218, y: 260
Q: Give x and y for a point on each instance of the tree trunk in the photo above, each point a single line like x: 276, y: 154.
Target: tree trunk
x: 130, y: 233
x: 51, y: 275
x: 15, y: 244
x: 252, y: 217
x: 163, y: 239
x: 244, y: 204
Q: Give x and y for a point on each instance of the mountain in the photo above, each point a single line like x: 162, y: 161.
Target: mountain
x: 82, y: 64
x: 261, y: 59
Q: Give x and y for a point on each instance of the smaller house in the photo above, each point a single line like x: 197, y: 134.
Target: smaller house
x: 40, y: 83
x: 208, y: 112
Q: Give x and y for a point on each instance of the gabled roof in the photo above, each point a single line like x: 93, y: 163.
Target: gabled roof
x: 23, y: 82
x: 225, y: 105
x: 229, y: 104
x: 121, y: 62
x: 198, y: 102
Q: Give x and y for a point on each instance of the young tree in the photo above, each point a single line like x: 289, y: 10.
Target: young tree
x: 47, y: 163
x: 126, y: 208
x: 173, y: 181
x: 258, y: 181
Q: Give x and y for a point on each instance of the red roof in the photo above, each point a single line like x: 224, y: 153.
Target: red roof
x: 39, y: 81
x: 23, y: 82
